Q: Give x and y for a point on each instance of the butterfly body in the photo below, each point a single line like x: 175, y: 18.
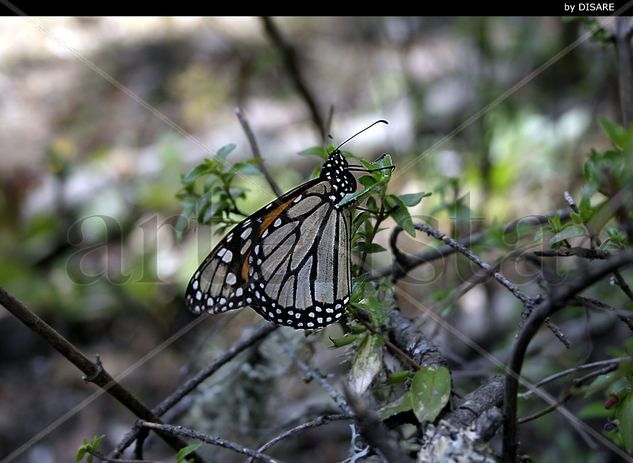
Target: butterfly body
x: 290, y: 260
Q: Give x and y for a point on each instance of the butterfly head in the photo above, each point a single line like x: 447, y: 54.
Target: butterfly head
x: 336, y: 171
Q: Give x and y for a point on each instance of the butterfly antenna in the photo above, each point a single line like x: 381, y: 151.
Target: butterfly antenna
x: 379, y: 121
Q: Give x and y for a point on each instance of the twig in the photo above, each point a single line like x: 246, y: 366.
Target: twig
x: 312, y: 373
x: 218, y: 441
x: 575, y: 251
x: 555, y: 302
x: 291, y: 62
x: 408, y: 263
x: 260, y: 332
x: 94, y: 372
x: 374, y: 431
x: 459, y: 247
x: 256, y: 153
x: 625, y: 73
x: 586, y: 366
x: 316, y: 422
x: 625, y: 315
x: 116, y: 460
x: 550, y: 408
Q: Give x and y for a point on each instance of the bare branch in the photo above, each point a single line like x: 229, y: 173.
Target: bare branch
x: 625, y: 315
x: 94, y: 372
x: 556, y: 301
x: 576, y: 251
x: 459, y: 247
x: 218, y: 441
x: 312, y: 373
x: 408, y: 263
x: 291, y: 62
x: 259, y: 333
x: 316, y: 422
x: 256, y: 153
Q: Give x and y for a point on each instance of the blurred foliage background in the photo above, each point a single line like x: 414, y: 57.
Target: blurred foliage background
x: 99, y: 117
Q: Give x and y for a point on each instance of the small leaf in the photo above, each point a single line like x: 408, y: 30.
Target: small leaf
x: 401, y: 214
x: 412, y: 199
x: 247, y: 168
x: 367, y: 364
x: 223, y: 152
x: 399, y: 376
x: 185, y: 451
x: 196, y: 172
x: 369, y: 249
x: 315, y: 151
x: 571, y: 231
x: 430, y: 391
x: 403, y: 404
x: 625, y: 416
x: 344, y: 341
x: 616, y: 133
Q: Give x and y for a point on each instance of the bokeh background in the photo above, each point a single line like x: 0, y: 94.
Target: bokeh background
x: 99, y: 117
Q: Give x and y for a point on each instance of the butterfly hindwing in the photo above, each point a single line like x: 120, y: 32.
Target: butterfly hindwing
x: 301, y: 265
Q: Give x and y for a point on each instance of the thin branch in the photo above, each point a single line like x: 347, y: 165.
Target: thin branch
x: 408, y: 263
x: 256, y: 152
x: 316, y: 422
x: 459, y: 247
x: 375, y: 433
x: 93, y: 372
x: 289, y: 55
x: 625, y: 315
x: 555, y: 302
x: 575, y: 251
x: 585, y: 366
x: 550, y: 408
x: 116, y: 460
x: 625, y: 65
x: 259, y: 333
x: 312, y: 373
x: 217, y: 441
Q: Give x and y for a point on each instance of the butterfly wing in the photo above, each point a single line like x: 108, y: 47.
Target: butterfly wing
x: 220, y: 282
x: 301, y: 275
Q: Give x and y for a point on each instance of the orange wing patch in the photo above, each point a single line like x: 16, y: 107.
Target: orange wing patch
x: 272, y: 215
x: 268, y: 219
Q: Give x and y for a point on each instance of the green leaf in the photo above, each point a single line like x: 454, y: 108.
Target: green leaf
x: 399, y: 376
x: 400, y: 214
x: 344, y: 341
x: 366, y: 364
x: 92, y: 445
x: 430, y: 391
x: 318, y: 151
x: 223, y: 152
x: 571, y: 231
x: 412, y: 199
x: 403, y: 404
x: 247, y: 168
x: 196, y: 172
x: 625, y: 416
x: 185, y: 451
x: 371, y: 248
x: 616, y: 133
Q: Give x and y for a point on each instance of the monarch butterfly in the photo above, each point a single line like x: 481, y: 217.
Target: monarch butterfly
x: 290, y: 260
